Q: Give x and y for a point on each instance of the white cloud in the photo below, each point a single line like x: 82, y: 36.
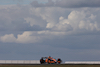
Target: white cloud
x: 8, y: 38
x: 55, y: 22
x: 31, y: 36
x: 50, y: 25
x: 77, y: 20
x: 31, y: 21
x: 27, y: 37
x: 92, y: 17
x: 61, y: 18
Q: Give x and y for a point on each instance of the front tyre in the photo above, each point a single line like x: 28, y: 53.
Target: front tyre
x: 42, y: 61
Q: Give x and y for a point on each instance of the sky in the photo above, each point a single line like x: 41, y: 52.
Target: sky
x: 66, y: 29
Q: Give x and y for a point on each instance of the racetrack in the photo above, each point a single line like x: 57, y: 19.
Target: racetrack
x: 64, y: 65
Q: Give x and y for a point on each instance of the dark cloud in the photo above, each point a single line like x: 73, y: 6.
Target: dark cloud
x: 78, y: 3
x: 68, y: 3
x: 12, y: 18
x: 19, y: 25
x: 48, y: 4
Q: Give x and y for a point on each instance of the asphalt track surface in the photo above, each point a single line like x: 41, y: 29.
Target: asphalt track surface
x: 50, y: 65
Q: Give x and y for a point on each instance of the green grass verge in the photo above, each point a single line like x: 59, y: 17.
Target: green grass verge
x: 49, y: 65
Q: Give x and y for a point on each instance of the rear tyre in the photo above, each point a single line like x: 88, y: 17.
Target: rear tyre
x: 59, y: 61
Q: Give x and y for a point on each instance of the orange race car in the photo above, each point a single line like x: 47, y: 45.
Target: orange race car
x: 50, y: 60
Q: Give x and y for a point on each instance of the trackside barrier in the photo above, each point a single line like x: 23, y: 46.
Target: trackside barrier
x: 82, y: 62
x: 19, y: 62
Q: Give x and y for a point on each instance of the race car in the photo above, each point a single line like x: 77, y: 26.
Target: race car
x: 50, y: 60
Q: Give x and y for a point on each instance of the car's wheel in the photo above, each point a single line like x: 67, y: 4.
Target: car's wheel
x: 59, y: 61
x: 42, y: 61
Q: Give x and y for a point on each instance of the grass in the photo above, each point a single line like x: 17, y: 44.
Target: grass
x: 49, y: 65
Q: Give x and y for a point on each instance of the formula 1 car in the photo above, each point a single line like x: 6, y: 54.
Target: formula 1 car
x: 50, y: 60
